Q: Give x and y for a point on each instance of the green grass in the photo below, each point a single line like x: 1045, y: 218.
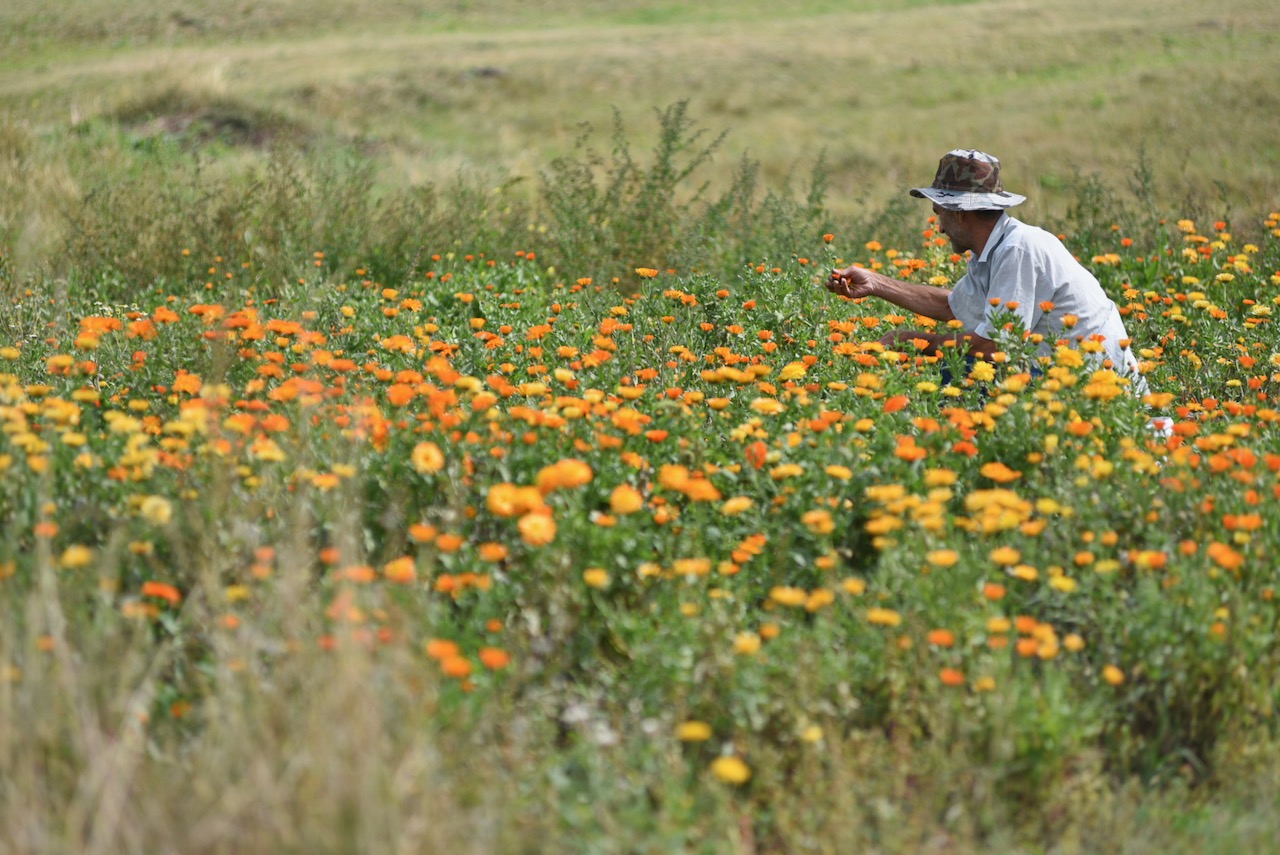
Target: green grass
x: 1059, y: 90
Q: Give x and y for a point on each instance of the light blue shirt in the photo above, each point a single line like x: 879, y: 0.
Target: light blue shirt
x: 1029, y: 266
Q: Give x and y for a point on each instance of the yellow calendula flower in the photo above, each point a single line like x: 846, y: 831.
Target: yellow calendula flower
x: 792, y: 371
x: 731, y: 770
x: 943, y: 557
x: 1005, y: 555
x: 854, y: 586
x: 1025, y: 572
x: 883, y: 617
x: 156, y: 510
x: 819, y: 598
x: 786, y: 470
x: 939, y: 477
x: 746, y: 643
x: 983, y: 372
x: 693, y: 731
x: 785, y: 596
x: 76, y: 556
x: 768, y: 406
x: 818, y: 521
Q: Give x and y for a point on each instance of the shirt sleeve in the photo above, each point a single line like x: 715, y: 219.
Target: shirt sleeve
x: 965, y: 303
x: 1020, y: 285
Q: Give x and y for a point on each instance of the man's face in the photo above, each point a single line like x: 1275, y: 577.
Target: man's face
x: 955, y: 225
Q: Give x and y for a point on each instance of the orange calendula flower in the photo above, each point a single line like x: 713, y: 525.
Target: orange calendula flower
x: 646, y: 272
x: 359, y: 573
x: 625, y: 499
x: 511, y: 500
x: 941, y: 637
x: 427, y: 457
x: 162, y: 591
x: 440, y: 648
x: 449, y: 542
x: 400, y: 570
x: 1224, y: 556
x: 672, y: 476
x: 537, y: 529
x: 422, y: 533
x: 190, y: 384
x: 896, y: 403
x: 494, y: 658
x: 564, y: 475
x: 400, y: 394
x: 999, y: 472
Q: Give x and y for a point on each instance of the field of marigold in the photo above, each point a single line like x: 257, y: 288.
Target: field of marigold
x: 672, y: 562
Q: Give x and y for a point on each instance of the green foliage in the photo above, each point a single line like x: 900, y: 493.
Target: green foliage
x: 614, y: 214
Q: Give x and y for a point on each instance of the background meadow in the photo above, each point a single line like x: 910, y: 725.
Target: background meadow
x: 426, y: 431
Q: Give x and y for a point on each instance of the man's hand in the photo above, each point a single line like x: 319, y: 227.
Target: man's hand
x: 851, y: 282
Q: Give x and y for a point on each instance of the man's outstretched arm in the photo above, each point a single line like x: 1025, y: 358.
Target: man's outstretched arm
x: 854, y: 282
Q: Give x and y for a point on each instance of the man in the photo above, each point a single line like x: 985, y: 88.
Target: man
x: 1014, y: 268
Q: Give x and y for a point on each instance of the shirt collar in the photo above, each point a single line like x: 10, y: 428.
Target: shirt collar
x: 1002, y: 228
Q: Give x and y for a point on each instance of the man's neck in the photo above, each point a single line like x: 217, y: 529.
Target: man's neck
x: 982, y: 233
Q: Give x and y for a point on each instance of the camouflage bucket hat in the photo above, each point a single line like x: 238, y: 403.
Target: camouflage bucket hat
x: 968, y: 180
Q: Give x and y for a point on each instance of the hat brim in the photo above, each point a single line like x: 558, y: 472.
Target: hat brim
x: 953, y: 200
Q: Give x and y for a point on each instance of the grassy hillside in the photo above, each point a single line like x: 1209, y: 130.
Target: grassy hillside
x: 1059, y: 90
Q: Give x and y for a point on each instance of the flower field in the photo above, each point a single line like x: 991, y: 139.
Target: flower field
x: 681, y: 545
